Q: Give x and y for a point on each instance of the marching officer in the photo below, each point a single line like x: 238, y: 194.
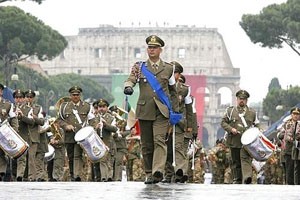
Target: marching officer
x: 152, y: 113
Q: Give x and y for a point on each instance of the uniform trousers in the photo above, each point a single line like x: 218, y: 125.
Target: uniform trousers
x: 153, y: 144
x: 75, y: 153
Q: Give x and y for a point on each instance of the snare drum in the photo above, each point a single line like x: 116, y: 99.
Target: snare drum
x: 91, y: 143
x: 11, y: 142
x: 50, y: 154
x: 257, y: 145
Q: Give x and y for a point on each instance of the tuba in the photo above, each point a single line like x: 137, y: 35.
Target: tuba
x: 55, y: 130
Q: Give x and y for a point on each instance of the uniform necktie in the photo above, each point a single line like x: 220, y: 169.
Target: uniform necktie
x: 154, y: 67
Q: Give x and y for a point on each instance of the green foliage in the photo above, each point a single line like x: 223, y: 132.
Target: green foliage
x: 285, y: 98
x: 274, y: 84
x: 274, y: 25
x: 25, y: 35
x: 58, y: 84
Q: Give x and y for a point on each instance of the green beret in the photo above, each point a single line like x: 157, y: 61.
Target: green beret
x: 29, y: 93
x: 178, y: 67
x: 243, y: 94
x: 154, y: 40
x: 295, y: 110
x: 75, y: 90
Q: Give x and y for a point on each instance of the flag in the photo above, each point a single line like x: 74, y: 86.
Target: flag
x: 8, y: 94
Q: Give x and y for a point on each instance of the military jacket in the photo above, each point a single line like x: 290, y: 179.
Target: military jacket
x: 108, y: 129
x: 290, y: 132
x: 232, y: 119
x: 7, y: 112
x: 67, y: 116
x: 148, y: 102
x: 184, y: 108
x: 33, y: 129
x: 24, y: 121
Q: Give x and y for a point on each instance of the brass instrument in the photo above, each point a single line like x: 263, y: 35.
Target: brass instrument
x: 117, y: 112
x: 55, y: 130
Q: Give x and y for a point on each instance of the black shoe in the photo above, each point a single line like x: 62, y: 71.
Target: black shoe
x: 157, y: 177
x: 184, y: 179
x: 109, y: 180
x: 41, y: 180
x: 178, y: 175
x: 248, y: 180
x: 19, y: 179
x: 77, y: 179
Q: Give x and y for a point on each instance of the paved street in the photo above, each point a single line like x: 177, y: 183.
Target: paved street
x: 138, y: 190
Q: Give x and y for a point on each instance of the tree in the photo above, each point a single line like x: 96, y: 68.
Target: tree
x: 274, y: 84
x: 38, y: 1
x: 276, y: 24
x: 278, y: 101
x: 23, y: 35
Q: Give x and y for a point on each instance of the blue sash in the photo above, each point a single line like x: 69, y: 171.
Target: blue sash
x: 174, y: 117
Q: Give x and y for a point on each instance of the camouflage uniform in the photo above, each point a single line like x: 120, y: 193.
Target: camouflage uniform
x: 135, y: 168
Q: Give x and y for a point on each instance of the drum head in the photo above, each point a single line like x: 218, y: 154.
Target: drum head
x: 249, y: 136
x: 83, y: 133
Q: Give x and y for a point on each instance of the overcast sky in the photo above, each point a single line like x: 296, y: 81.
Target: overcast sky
x: 257, y: 65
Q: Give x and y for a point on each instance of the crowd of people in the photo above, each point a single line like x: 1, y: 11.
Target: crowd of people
x: 94, y: 142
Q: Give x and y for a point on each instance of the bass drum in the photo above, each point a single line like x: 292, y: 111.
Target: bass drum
x: 11, y: 142
x: 91, y: 143
x: 257, y: 145
x: 50, y: 154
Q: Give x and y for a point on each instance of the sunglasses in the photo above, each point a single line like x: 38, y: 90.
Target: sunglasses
x: 30, y: 97
x: 75, y: 95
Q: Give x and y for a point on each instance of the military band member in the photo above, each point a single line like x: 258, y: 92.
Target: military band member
x: 106, y: 131
x: 34, y: 136
x: 120, y: 141
x: 7, y: 113
x: 236, y: 120
x: 25, y: 120
x: 289, y: 134
x: 152, y: 114
x: 74, y: 115
x: 185, y: 125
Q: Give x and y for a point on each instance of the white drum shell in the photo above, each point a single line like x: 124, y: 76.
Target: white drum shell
x: 11, y: 142
x: 255, y: 145
x: 91, y: 143
x: 50, y: 154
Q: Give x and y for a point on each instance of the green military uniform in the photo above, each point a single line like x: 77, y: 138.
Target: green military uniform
x: 106, y: 162
x: 239, y: 118
x: 153, y: 115
x: 7, y: 113
x: 34, y: 136
x: 185, y: 107
x: 76, y: 115
x: 24, y: 120
x: 122, y: 151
